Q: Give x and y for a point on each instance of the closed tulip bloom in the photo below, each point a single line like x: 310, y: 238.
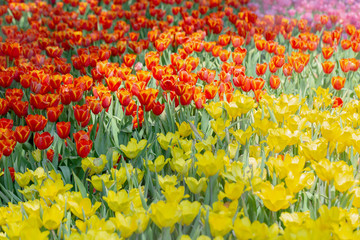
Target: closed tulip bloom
x: 22, y: 133
x: 327, y: 52
x: 257, y: 84
x: 52, y: 217
x: 7, y: 146
x: 54, y: 113
x: 36, y: 123
x: 338, y: 82
x: 274, y: 82
x: 83, y: 147
x: 328, y: 67
x: 43, y: 141
x: 165, y: 214
x: 63, y: 129
x: 261, y: 69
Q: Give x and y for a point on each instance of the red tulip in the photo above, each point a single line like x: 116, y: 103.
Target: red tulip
x: 63, y: 129
x: 22, y: 133
x: 7, y: 146
x: 338, y: 102
x: 6, y: 123
x: 158, y: 108
x: 83, y: 147
x: 82, y: 114
x: 43, y: 141
x: 53, y: 113
x: 36, y: 123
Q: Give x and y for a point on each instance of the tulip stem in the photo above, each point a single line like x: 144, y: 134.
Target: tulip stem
x: 329, y: 203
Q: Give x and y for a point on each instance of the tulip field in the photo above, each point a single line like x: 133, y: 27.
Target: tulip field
x: 173, y: 119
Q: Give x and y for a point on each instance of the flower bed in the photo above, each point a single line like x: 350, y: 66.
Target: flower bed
x: 179, y: 120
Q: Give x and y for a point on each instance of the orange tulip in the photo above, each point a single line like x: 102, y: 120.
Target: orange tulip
x: 327, y: 52
x: 338, y: 82
x: 261, y: 69
x: 274, y: 82
x: 328, y: 67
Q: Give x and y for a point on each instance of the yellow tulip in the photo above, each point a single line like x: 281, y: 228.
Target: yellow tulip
x: 23, y: 179
x: 50, y: 189
x: 210, y: 164
x: 133, y: 148
x: 119, y: 175
x: 142, y: 220
x: 214, y: 109
x: 173, y: 194
x: 189, y: 210
x: 330, y: 131
x: 356, y: 201
x: 165, y: 214
x: 83, y: 208
x: 233, y: 191
x: 275, y: 197
x: 157, y: 165
x: 52, y: 217
x: 168, y: 140
x: 168, y: 180
x: 233, y: 148
x: 126, y: 224
x: 220, y: 224
x: 244, y: 102
x: 295, y: 182
x: 295, y: 218
x: 343, y: 181
x: 206, y: 144
x: 38, y: 175
x: 196, y: 186
x: 184, y: 129
x: 241, y: 135
x: 97, y: 181
x: 242, y: 228
x: 324, y: 169
x: 232, y: 109
x: 279, y: 138
x: 29, y: 192
x: 357, y: 91
x: 31, y: 233
x: 32, y: 207
x: 218, y: 126
x: 36, y: 154
x: 118, y: 202
x: 314, y: 150
x: 94, y: 165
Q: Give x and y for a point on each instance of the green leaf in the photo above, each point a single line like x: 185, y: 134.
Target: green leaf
x: 80, y: 185
x: 66, y: 173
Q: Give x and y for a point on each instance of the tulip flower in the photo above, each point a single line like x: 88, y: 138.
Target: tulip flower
x: 54, y: 113
x: 22, y: 133
x: 7, y: 146
x: 165, y: 214
x: 275, y: 197
x: 338, y: 82
x: 328, y: 67
x: 133, y: 148
x: 83, y: 147
x: 83, y: 207
x: 63, y: 129
x: 36, y: 123
x: 43, y: 141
